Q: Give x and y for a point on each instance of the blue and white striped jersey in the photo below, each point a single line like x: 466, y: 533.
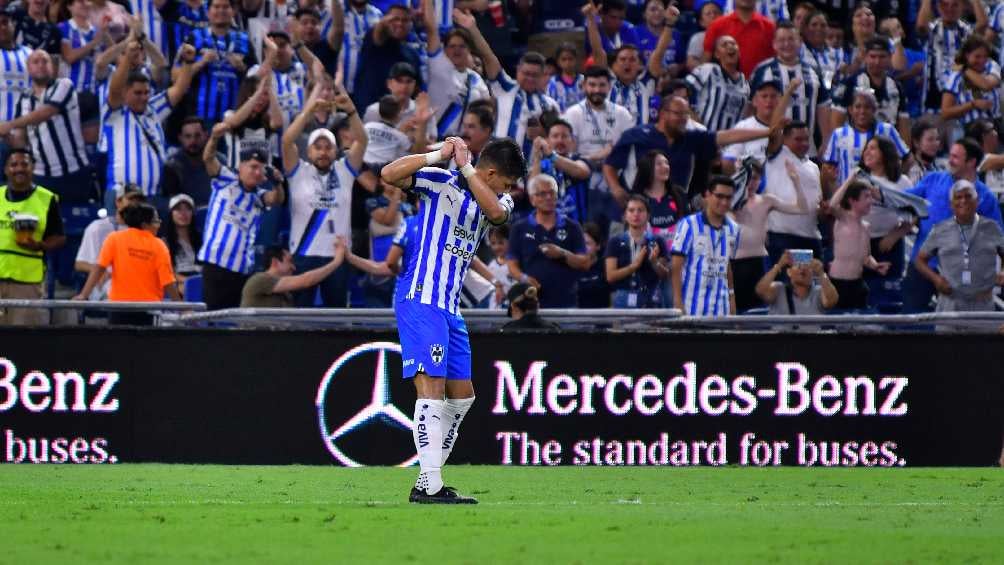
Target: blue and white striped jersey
x: 955, y: 84
x: 57, y: 143
x: 216, y: 85
x: 706, y: 251
x: 827, y: 61
x: 846, y: 145
x: 452, y: 227
x: 81, y: 73
x: 14, y: 80
x: 997, y: 25
x: 356, y: 26
x: 566, y: 95
x: 103, y: 100
x: 635, y: 97
x: 454, y: 91
x: 806, y: 99
x: 153, y: 23
x: 776, y: 10
x: 231, y: 224
x: 443, y: 9
x: 889, y: 95
x: 943, y: 42
x: 289, y: 87
x: 515, y: 107
x: 718, y: 98
x: 136, y: 144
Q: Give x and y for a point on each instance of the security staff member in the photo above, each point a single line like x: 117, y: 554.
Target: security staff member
x: 30, y: 226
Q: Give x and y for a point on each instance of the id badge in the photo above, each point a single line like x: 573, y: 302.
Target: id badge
x: 967, y: 278
x: 632, y: 300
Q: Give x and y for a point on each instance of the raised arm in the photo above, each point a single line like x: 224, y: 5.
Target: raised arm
x: 359, y: 138
x: 183, y: 80
x: 838, y: 196
x: 593, y: 35
x: 778, y: 117
x: 982, y: 22
x: 290, y: 153
x: 801, y: 206
x: 655, y: 67
x: 400, y: 171
x: 241, y: 114
x: 107, y: 57
x: 337, y: 31
x: 765, y: 288
x: 213, y: 165
x: 72, y: 55
x: 492, y: 65
x: 924, y: 18
x: 117, y: 83
x: 431, y: 26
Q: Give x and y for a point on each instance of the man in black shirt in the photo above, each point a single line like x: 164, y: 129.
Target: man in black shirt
x: 33, y: 29
x: 308, y: 33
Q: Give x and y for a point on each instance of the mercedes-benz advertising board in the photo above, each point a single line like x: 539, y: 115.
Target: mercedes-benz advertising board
x: 95, y: 396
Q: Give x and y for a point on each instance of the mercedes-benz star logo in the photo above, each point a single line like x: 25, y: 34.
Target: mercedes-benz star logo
x: 379, y: 408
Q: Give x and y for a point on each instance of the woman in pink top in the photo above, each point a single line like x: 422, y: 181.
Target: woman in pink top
x: 751, y: 261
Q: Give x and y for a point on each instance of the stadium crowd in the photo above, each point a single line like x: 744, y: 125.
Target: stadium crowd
x: 721, y: 157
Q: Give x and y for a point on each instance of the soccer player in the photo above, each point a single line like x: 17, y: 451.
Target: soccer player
x: 457, y: 207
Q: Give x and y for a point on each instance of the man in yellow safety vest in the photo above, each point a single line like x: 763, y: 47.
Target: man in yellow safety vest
x: 30, y: 226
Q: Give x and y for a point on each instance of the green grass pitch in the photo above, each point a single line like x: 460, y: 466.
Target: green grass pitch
x: 218, y: 514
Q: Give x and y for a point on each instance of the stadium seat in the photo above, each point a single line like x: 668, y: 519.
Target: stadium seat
x: 193, y: 289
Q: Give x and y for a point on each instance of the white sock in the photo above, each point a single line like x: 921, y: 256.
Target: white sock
x: 453, y: 415
x: 428, y: 436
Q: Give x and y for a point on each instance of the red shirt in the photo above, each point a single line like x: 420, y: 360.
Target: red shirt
x: 755, y: 39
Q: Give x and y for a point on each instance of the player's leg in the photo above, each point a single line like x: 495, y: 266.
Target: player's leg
x: 459, y: 387
x: 424, y: 336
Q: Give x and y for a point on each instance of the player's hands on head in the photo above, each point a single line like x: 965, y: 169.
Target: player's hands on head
x: 461, y: 153
x: 447, y: 148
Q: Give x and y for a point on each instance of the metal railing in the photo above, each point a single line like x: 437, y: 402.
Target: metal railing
x: 157, y: 309
x: 609, y: 319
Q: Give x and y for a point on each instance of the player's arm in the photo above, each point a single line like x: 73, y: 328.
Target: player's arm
x: 400, y: 172
x: 487, y: 200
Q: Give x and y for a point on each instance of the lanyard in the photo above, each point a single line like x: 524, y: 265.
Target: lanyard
x: 966, y: 243
x: 592, y: 118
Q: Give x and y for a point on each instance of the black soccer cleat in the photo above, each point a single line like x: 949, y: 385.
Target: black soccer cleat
x: 446, y: 495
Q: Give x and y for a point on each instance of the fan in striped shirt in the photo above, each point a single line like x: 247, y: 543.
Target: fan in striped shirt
x: 235, y: 209
x: 720, y: 88
x: 944, y: 37
x: 289, y: 77
x: 518, y: 100
x: 847, y: 143
x: 180, y: 19
x: 811, y: 102
x: 80, y: 45
x: 132, y: 123
x: 703, y: 247
x: 875, y: 76
x: 14, y: 80
x: 566, y: 86
x: 51, y: 114
x: 360, y: 18
x: 827, y: 60
x: 457, y: 84
x: 971, y: 93
x: 635, y: 85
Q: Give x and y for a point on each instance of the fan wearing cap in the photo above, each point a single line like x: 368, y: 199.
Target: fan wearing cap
x: 320, y: 195
x: 524, y: 309
x: 182, y: 236
x: 289, y: 77
x: 98, y: 230
x: 415, y: 116
x: 766, y: 98
x: 235, y: 209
